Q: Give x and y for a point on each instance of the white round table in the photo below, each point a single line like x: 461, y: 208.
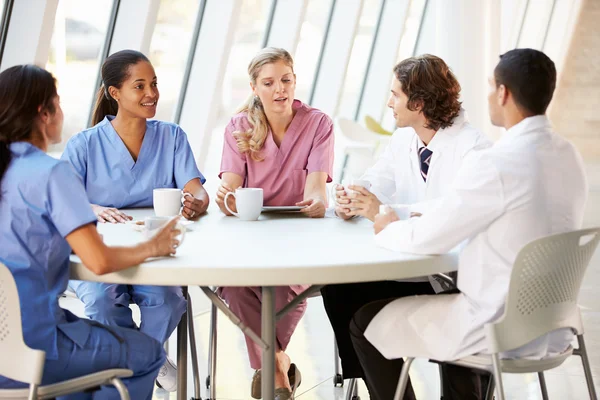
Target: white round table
x: 277, y: 250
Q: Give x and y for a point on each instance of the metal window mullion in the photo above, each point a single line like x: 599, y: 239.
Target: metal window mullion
x: 370, y: 60
x: 547, y: 25
x: 6, y: 13
x: 423, y: 14
x: 269, y: 24
x: 190, y: 62
x: 321, y: 53
x: 522, y: 23
x: 105, y: 52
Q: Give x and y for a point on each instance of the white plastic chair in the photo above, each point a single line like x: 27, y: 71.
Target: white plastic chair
x: 30, y: 366
x: 360, y: 141
x: 542, y: 297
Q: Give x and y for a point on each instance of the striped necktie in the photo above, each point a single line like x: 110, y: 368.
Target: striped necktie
x: 425, y: 158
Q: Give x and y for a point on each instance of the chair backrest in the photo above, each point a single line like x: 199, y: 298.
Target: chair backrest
x: 375, y: 126
x: 355, y: 132
x: 543, y: 290
x: 17, y: 360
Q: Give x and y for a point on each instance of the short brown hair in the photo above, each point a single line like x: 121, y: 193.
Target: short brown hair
x: 428, y: 81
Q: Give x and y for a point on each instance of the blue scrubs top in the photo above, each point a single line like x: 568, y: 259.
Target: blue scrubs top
x: 113, y: 179
x: 42, y: 201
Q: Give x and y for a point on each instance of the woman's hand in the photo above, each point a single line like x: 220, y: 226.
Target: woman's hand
x: 192, y: 206
x: 220, y: 199
x: 165, y: 243
x: 315, y: 208
x: 108, y: 214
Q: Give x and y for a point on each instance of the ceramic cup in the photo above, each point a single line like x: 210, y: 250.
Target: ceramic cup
x: 153, y: 224
x: 167, y: 202
x: 248, y: 201
x: 346, y: 183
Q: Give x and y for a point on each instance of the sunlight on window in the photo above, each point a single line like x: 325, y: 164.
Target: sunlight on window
x: 169, y: 50
x: 309, y: 46
x: 79, y: 34
x: 407, y: 47
x: 535, y: 24
x: 247, y: 42
x: 359, y: 58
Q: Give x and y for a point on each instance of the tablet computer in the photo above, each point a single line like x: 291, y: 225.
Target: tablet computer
x: 267, y: 209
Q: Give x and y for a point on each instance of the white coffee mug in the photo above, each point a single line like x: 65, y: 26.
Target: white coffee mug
x: 346, y: 183
x: 248, y: 201
x: 167, y: 201
x: 153, y: 224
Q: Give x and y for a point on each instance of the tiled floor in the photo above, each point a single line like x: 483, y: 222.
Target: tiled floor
x: 312, y: 348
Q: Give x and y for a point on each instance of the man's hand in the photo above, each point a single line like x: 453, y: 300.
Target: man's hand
x: 383, y: 220
x: 362, y: 203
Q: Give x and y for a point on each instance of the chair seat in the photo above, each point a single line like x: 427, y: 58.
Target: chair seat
x: 515, y: 366
x: 69, y: 386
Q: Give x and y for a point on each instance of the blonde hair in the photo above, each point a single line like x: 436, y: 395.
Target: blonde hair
x: 252, y: 140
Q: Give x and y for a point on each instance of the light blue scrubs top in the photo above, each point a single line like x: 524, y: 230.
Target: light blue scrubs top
x: 113, y: 179
x: 42, y: 201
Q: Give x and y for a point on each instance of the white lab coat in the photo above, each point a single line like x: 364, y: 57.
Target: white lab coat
x: 396, y: 176
x: 530, y: 184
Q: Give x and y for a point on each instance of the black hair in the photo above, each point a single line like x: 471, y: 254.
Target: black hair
x: 24, y: 91
x: 115, y: 71
x: 530, y: 76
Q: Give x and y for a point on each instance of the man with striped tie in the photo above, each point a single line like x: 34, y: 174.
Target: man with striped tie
x: 415, y: 171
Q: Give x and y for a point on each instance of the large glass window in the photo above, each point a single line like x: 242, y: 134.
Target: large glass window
x: 169, y: 50
x: 408, y: 44
x: 249, y: 35
x: 309, y: 46
x: 535, y: 24
x: 555, y: 42
x: 79, y: 34
x: 359, y: 58
x: 1, y: 23
x: 248, y: 38
x: 426, y: 39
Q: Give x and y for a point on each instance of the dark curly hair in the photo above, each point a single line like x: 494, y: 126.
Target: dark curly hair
x: 430, y: 84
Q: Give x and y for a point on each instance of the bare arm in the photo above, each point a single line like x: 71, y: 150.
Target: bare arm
x: 194, y: 207
x: 315, y: 195
x: 101, y: 259
x: 229, y: 182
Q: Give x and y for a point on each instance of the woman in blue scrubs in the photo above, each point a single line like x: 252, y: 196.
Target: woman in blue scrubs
x: 45, y: 214
x: 121, y: 159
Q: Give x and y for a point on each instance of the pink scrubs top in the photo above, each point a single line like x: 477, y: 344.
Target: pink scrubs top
x: 307, y: 147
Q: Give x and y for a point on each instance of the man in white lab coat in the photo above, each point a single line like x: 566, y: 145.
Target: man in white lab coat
x: 417, y: 168
x: 530, y: 184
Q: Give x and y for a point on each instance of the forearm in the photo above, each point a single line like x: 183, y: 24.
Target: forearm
x: 122, y: 257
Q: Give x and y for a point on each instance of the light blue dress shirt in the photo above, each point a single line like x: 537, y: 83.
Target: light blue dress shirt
x: 113, y: 179
x: 42, y: 201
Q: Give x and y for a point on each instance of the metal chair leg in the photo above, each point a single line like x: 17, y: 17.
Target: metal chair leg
x: 582, y: 352
x: 121, y: 388
x: 403, y: 381
x: 498, y: 376
x: 192, y: 335
x: 211, y: 379
x: 33, y: 388
x: 352, y: 392
x: 338, y: 380
x: 489, y: 395
x: 441, y: 381
x: 543, y: 385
